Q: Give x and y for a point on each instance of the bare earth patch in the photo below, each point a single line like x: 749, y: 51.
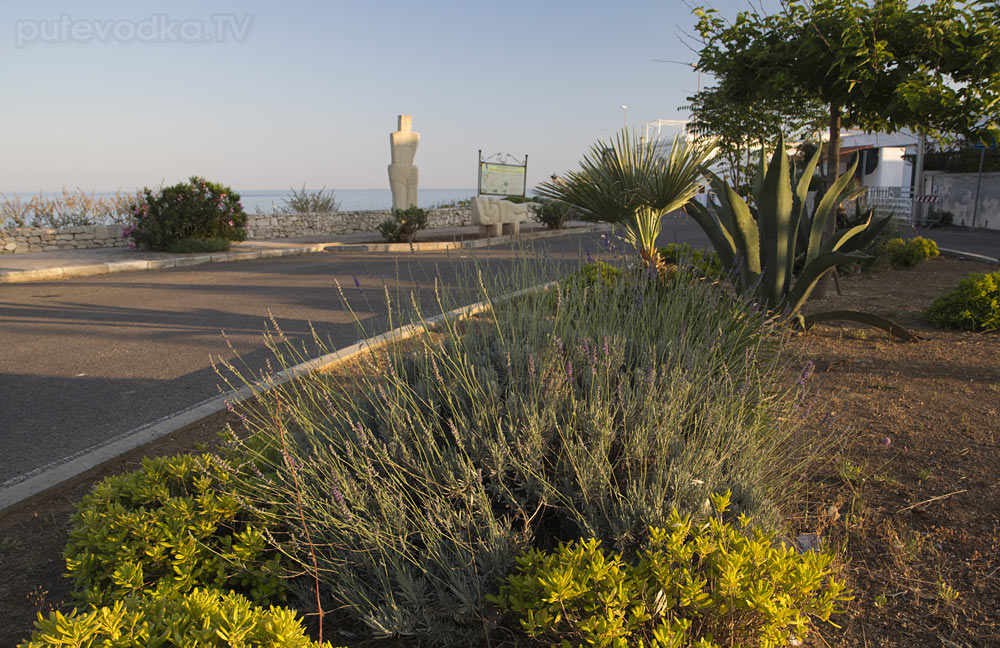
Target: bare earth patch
x: 913, y: 472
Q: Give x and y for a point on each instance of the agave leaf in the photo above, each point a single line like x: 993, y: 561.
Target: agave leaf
x: 799, y: 211
x: 831, y: 199
x: 802, y: 189
x: 810, y: 275
x: 865, y: 318
x: 774, y: 211
x: 840, y: 237
x: 866, y: 237
x: 745, y: 233
x: 721, y: 240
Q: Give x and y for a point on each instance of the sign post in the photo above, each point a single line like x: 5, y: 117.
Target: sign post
x: 979, y: 180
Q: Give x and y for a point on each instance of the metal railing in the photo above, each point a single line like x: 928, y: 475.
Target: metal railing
x: 897, y: 201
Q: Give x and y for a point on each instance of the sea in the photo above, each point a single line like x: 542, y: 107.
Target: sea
x: 266, y: 200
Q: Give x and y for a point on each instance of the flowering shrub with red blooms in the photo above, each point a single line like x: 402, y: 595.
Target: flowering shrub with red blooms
x: 196, y: 209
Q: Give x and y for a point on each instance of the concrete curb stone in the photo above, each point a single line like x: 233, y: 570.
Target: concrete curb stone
x: 958, y: 254
x: 87, y: 270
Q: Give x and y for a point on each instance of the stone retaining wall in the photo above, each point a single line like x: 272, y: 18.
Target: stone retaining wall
x: 39, y: 239
x: 957, y: 193
x: 263, y: 226
x: 259, y: 226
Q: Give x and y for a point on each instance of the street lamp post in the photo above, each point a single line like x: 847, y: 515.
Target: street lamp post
x: 624, y: 116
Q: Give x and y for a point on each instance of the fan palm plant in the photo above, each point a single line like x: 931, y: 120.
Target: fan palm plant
x: 627, y: 181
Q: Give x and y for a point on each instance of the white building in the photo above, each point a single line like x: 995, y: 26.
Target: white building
x: 882, y: 162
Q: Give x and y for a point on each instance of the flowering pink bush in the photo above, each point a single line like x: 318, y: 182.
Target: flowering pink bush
x: 196, y: 209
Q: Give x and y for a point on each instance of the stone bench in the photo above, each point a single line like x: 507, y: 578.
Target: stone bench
x: 495, y: 217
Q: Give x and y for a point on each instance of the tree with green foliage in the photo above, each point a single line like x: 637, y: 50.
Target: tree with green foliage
x: 878, y: 65
x: 742, y: 129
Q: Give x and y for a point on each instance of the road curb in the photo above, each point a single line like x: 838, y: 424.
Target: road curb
x: 959, y: 254
x: 87, y: 270
x: 92, y: 269
x: 42, y: 479
x: 434, y: 246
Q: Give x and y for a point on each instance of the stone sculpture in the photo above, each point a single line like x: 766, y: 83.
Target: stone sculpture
x: 402, y: 174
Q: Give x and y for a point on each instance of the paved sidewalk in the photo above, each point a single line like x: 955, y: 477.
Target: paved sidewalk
x: 44, y: 266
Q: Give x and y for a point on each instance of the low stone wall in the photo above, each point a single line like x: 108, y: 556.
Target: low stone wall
x: 38, y: 239
x: 264, y: 226
x: 259, y: 226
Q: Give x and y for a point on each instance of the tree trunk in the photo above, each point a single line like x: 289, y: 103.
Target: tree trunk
x: 832, y: 167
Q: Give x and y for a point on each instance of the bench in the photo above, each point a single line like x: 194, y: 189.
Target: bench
x: 495, y: 217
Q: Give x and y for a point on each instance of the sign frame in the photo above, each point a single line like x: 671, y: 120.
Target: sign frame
x: 483, y: 163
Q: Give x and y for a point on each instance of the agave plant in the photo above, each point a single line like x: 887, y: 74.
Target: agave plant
x: 761, y: 246
x: 627, y: 181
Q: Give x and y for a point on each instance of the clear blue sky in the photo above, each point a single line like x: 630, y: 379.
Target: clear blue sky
x: 311, y: 92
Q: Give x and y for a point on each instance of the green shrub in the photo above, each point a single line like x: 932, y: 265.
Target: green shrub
x: 404, y: 224
x: 301, y: 201
x: 173, y: 525
x: 703, y: 262
x: 703, y: 584
x: 904, y: 253
x: 553, y: 214
x: 927, y: 247
x: 597, y: 274
x: 190, y: 245
x: 973, y: 306
x: 202, y: 617
x: 944, y: 217
x: 555, y: 416
x: 196, y: 209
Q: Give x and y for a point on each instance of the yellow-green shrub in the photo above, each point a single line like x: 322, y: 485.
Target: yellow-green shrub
x: 912, y: 252
x: 704, y: 263
x: 173, y: 525
x: 973, y: 306
x: 598, y: 274
x: 928, y: 247
x: 202, y: 617
x: 696, y: 585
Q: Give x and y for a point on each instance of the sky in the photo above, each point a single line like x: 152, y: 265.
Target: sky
x: 107, y: 95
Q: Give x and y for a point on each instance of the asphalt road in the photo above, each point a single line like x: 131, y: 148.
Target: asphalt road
x: 85, y: 360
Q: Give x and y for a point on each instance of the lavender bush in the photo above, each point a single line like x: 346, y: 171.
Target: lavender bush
x: 585, y: 410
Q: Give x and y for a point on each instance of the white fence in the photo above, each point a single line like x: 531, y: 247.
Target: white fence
x: 897, y: 201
